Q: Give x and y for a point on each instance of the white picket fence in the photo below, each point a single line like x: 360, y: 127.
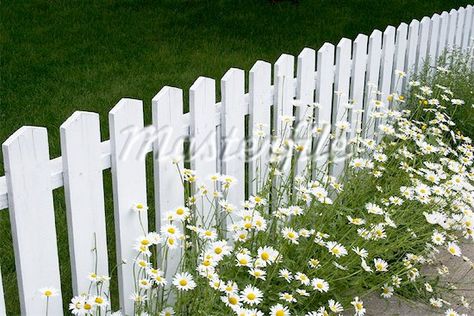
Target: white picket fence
x: 30, y: 174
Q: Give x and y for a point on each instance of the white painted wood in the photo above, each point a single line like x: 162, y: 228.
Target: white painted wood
x: 283, y: 105
x: 26, y: 158
x: 453, y: 16
x: 466, y: 28
x: 423, y: 42
x: 284, y: 94
x: 203, y: 148
x: 434, y: 38
x: 410, y: 63
x: 84, y: 192
x: 3, y: 311
x: 372, y: 78
x: 323, y: 96
x: 129, y: 187
x: 359, y: 63
x: 168, y: 151
x: 233, y: 137
x: 339, y: 104
x: 260, y: 101
x: 443, y: 33
x: 401, y: 43
x: 386, y: 71
x: 305, y: 96
x: 460, y: 27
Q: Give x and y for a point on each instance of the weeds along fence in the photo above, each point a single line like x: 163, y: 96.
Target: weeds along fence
x: 352, y: 67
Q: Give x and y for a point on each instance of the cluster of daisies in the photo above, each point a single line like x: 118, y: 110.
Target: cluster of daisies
x: 300, y: 245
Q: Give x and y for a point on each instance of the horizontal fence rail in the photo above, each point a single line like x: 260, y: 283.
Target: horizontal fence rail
x: 352, y: 71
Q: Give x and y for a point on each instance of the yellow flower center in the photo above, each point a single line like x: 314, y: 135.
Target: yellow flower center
x: 171, y: 230
x: 87, y: 306
x: 291, y: 235
x: 319, y: 285
x: 218, y: 250
x: 183, y: 282
x: 243, y: 261
x: 145, y: 242
x: 251, y: 296
x: 48, y: 293
x: 248, y: 225
x: 99, y: 300
x: 265, y: 256
x: 280, y: 313
x: 233, y: 300
x: 180, y: 211
x: 208, y: 233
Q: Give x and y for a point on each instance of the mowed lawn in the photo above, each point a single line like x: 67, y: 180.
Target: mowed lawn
x: 61, y: 56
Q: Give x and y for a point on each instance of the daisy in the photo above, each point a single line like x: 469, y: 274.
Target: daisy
x: 356, y: 220
x: 287, y: 297
x: 454, y: 249
x: 438, y: 238
x: 336, y: 249
x: 279, y: 310
x: 285, y: 274
x: 231, y: 300
x: 244, y: 260
x: 303, y: 278
x: 168, y: 311
x: 139, y: 207
x: 358, y: 306
x: 181, y: 213
x: 380, y: 265
x: 290, y: 235
x: 170, y: 230
x: 184, y: 281
x: 335, y: 306
x: 208, y: 234
x: 100, y: 301
x: 387, y: 291
x: 144, y: 284
x: 320, y: 285
x: 251, y: 295
x: 258, y: 273
x: 267, y: 255
x: 48, y: 292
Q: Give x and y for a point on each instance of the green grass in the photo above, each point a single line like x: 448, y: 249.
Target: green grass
x: 60, y: 56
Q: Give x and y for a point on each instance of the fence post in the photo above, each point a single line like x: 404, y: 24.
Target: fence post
x: 359, y: 63
x: 30, y: 200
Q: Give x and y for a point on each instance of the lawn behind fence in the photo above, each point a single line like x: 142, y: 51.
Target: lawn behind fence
x: 61, y: 56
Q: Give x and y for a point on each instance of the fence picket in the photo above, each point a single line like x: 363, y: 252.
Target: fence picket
x: 84, y: 192
x: 284, y: 93
x: 410, y: 64
x: 386, y: 71
x: 453, y: 16
x: 202, y: 104
x: 305, y: 95
x: 129, y: 187
x: 324, y: 90
x: 467, y: 29
x: 460, y: 27
x: 372, y: 79
x: 26, y: 157
x: 434, y: 37
x: 443, y: 33
x: 423, y: 41
x: 168, y: 150
x: 359, y: 62
x: 233, y: 136
x: 260, y: 101
x: 339, y: 104
x: 399, y: 58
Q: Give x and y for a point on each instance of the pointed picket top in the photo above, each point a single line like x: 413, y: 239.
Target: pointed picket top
x: 26, y: 157
x: 467, y: 27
